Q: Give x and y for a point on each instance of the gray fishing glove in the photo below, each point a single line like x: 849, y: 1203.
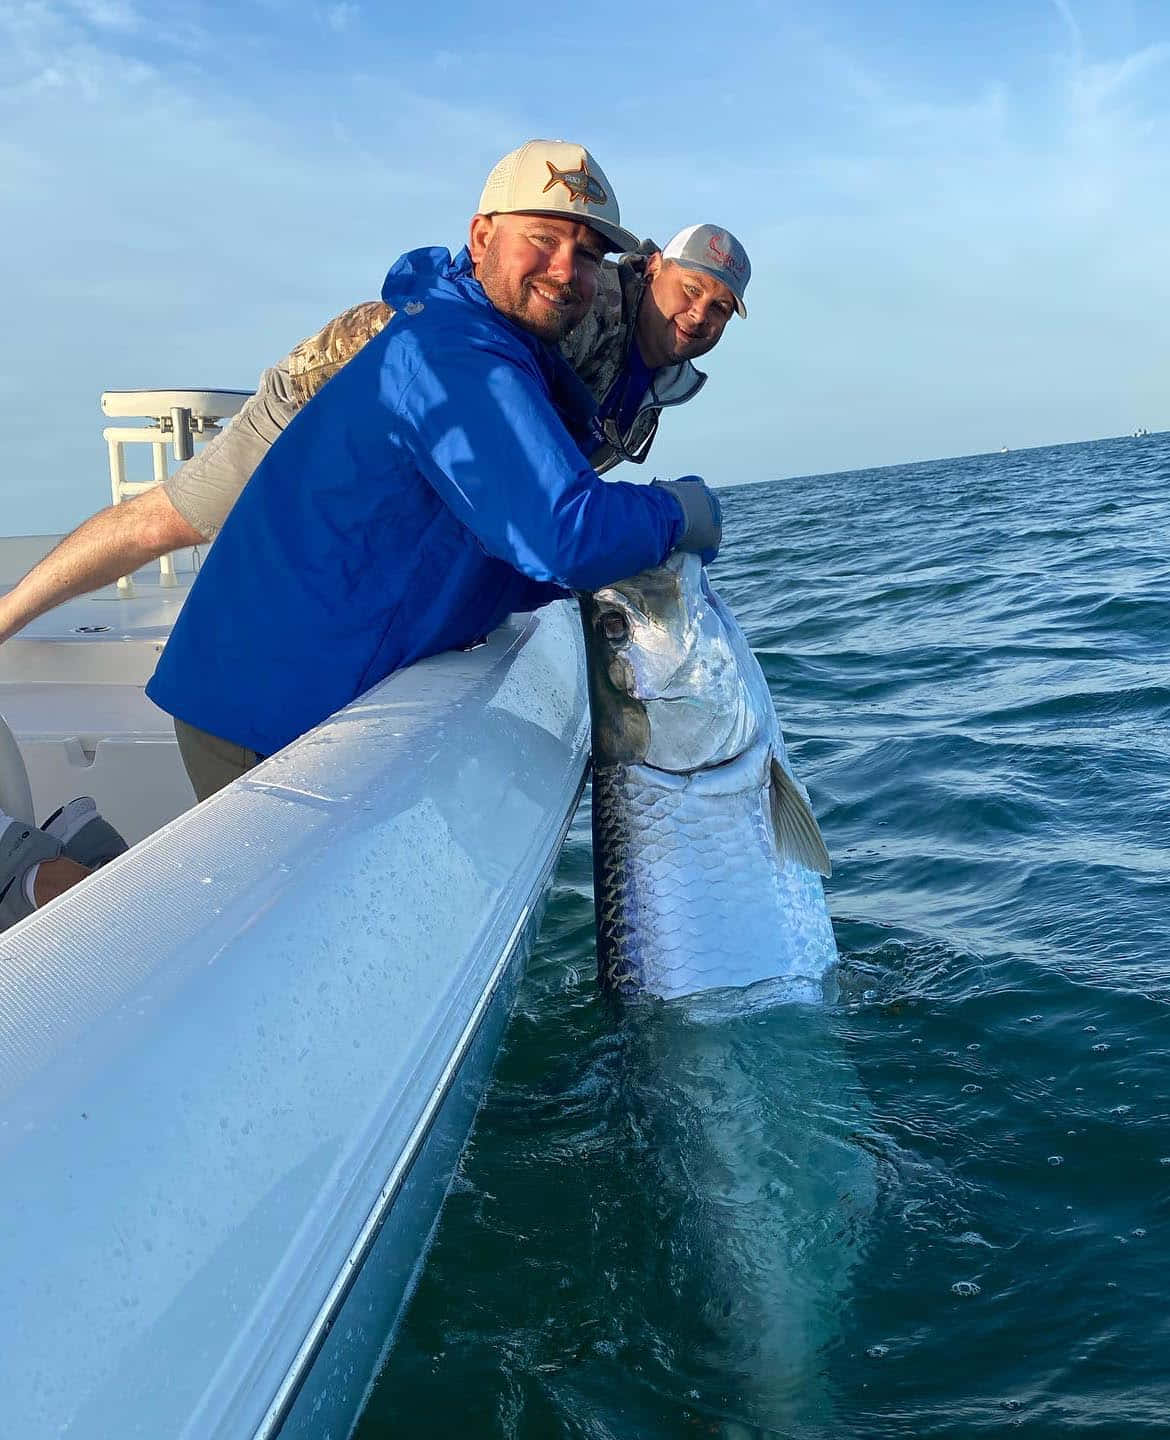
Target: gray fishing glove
x: 702, y: 513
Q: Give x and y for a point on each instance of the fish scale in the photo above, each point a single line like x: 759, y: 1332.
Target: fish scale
x: 691, y: 893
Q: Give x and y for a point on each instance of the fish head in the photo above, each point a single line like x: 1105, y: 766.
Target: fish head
x: 668, y: 686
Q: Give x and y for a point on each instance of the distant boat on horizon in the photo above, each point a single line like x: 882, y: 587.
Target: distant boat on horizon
x: 1140, y: 433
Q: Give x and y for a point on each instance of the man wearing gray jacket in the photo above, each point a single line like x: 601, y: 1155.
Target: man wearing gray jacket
x: 656, y: 311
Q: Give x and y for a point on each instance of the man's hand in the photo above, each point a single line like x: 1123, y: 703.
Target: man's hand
x: 703, y: 515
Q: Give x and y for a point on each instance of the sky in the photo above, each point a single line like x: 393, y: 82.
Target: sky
x: 958, y: 216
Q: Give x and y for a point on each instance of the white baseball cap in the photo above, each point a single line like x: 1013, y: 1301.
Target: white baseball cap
x: 716, y: 252
x: 555, y: 177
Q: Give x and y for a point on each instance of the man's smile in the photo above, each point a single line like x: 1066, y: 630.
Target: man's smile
x: 554, y: 295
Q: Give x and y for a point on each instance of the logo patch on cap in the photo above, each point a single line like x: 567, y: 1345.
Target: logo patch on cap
x: 727, y: 258
x: 579, y: 183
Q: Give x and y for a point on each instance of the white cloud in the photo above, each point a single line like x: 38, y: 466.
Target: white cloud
x: 116, y: 15
x: 1069, y: 20
x: 171, y: 231
x: 947, y: 276
x: 341, y: 16
x: 948, y: 255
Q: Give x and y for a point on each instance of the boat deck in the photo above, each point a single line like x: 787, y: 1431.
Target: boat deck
x: 71, y: 691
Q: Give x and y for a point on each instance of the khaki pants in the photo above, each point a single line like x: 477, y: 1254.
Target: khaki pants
x: 211, y: 763
x: 204, y: 490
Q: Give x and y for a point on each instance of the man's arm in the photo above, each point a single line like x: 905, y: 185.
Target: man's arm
x: 485, y: 433
x: 114, y: 542
x: 118, y: 540
x: 188, y: 508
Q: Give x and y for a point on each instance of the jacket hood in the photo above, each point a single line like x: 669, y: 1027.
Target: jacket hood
x: 422, y: 272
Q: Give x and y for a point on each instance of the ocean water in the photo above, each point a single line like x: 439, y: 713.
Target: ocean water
x: 940, y: 1204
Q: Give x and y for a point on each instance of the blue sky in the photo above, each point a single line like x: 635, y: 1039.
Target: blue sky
x: 957, y: 215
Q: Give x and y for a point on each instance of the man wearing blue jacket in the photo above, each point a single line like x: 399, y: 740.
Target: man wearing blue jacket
x: 435, y: 485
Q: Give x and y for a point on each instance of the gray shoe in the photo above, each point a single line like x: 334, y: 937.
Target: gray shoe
x: 21, y: 847
x: 83, y: 835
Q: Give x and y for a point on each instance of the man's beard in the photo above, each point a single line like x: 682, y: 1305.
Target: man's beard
x: 527, y: 310
x: 550, y: 324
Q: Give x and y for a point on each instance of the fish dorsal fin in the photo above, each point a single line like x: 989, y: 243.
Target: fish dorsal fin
x: 798, y: 836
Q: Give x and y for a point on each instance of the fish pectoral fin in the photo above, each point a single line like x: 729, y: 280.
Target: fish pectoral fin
x: 798, y: 836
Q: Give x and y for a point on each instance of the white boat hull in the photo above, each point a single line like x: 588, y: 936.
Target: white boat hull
x: 238, y: 1066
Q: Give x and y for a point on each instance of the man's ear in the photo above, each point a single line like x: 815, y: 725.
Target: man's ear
x: 653, y: 265
x: 479, y: 236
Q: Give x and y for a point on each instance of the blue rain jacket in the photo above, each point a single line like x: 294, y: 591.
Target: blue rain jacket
x: 436, y: 484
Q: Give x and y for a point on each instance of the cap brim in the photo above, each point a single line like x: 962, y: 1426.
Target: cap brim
x: 615, y: 237
x: 740, y: 307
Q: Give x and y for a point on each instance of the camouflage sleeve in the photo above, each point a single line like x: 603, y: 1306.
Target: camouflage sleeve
x: 321, y: 356
x: 204, y: 490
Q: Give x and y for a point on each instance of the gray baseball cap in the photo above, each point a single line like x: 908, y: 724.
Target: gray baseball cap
x: 716, y: 252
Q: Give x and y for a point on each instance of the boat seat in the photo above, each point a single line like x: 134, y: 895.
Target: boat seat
x: 158, y: 404
x: 179, y: 418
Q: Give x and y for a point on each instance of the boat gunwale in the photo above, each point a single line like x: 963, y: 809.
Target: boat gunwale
x: 302, y: 1364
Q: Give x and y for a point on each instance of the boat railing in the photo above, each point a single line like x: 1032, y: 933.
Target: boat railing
x: 178, y: 420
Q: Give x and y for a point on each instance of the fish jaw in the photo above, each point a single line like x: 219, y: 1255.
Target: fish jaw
x: 682, y: 727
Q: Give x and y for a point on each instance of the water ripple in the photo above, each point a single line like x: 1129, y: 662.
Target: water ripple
x: 940, y: 1207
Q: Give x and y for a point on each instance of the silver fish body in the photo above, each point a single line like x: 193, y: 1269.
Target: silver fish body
x: 707, y: 876
x: 707, y: 859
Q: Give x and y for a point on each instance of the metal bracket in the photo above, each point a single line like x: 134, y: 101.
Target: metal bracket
x: 182, y: 441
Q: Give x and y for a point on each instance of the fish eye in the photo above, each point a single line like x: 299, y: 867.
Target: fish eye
x: 614, y: 626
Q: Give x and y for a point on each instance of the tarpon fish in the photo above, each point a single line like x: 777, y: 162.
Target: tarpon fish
x: 579, y: 183
x: 707, y: 866
x: 707, y: 859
